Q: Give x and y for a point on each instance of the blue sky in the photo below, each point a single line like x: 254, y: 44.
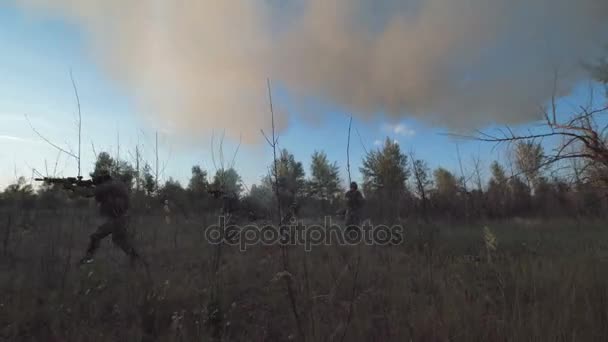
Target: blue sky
x: 35, y: 60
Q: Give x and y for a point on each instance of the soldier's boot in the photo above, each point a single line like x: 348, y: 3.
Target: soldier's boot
x: 86, y: 260
x: 88, y: 257
x: 95, y: 239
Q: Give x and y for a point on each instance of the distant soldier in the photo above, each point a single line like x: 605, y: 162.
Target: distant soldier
x: 292, y: 213
x: 167, y: 211
x: 112, y: 197
x: 354, y: 204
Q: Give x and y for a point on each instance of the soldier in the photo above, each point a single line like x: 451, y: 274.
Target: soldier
x: 354, y: 203
x: 167, y: 211
x: 112, y: 197
x: 292, y: 212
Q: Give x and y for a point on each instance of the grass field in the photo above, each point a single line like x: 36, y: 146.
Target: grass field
x: 544, y: 282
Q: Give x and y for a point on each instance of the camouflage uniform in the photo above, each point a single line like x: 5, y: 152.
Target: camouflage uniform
x: 113, y: 199
x: 354, y: 203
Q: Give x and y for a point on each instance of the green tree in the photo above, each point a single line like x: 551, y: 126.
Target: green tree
x: 19, y: 188
x: 497, y: 191
x: 171, y: 189
x: 177, y: 196
x: 446, y: 183
x: 149, y: 182
x: 118, y: 169
x: 519, y: 199
x: 198, y: 181
x: 324, y: 184
x: 289, y: 177
x: 385, y: 173
x: 228, y: 180
x: 445, y: 194
x: 104, y: 164
x: 259, y: 200
x: 528, y: 160
x: 385, y: 170
x: 20, y: 194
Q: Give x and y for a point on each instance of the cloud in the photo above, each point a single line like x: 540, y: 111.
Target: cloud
x: 457, y: 63
x: 403, y: 130
x: 10, y: 137
x: 17, y: 139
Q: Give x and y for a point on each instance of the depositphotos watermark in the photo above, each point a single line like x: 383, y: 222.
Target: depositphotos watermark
x: 297, y: 233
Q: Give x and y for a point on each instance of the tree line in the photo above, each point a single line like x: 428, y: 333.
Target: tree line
x: 396, y: 185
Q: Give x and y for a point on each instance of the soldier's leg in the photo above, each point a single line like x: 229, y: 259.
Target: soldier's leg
x: 348, y: 218
x: 356, y: 219
x: 122, y: 239
x: 95, y: 238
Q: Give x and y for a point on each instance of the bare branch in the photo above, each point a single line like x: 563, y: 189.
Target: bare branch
x: 213, y: 150
x: 156, y: 161
x: 350, y: 122
x: 166, y: 162
x: 477, y: 172
x: 266, y: 137
x: 48, y: 141
x: 361, y: 141
x: 79, y: 120
x: 553, y: 93
x: 284, y: 252
x: 56, y: 163
x: 94, y: 151
x: 32, y: 168
x: 236, y: 152
x: 222, y: 149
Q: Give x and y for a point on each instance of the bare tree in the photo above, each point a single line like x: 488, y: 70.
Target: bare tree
x: 477, y: 173
x: 350, y: 122
x: 581, y: 136
x: 284, y: 274
x: 68, y: 151
x: 79, y: 120
x: 463, y: 181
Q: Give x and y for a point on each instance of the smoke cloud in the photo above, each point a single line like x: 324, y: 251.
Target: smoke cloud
x: 202, y: 64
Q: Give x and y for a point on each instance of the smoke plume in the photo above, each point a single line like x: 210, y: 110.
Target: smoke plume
x: 202, y: 64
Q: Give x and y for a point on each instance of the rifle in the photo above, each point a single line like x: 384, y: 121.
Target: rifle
x: 68, y: 182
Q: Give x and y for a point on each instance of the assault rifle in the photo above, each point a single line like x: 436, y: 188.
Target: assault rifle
x: 68, y: 182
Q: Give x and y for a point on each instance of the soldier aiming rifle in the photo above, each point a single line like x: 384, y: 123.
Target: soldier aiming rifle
x: 69, y: 182
x: 112, y: 197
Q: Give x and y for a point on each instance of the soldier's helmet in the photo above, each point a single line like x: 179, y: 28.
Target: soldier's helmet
x: 102, y: 177
x: 353, y: 186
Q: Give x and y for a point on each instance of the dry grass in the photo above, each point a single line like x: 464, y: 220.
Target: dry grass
x: 545, y: 282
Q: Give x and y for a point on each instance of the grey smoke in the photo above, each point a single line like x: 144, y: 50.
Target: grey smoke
x: 203, y: 64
